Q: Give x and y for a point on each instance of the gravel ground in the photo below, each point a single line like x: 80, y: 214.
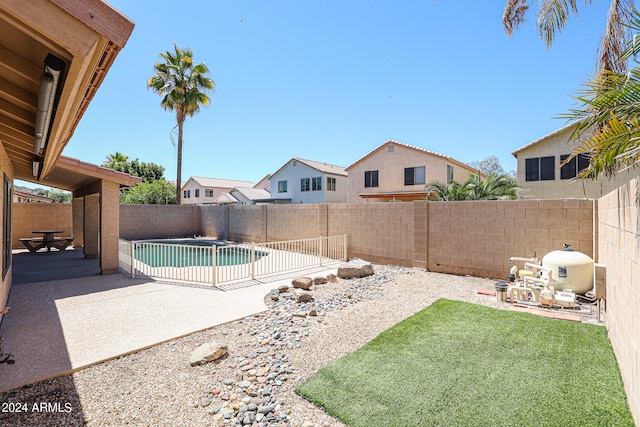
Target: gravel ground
x: 269, y: 354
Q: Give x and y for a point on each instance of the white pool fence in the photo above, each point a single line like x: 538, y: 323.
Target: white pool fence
x: 227, y: 263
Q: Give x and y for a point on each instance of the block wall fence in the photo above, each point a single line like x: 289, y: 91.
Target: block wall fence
x: 27, y: 217
x: 475, y: 238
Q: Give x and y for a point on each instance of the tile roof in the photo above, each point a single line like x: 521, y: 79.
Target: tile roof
x: 319, y: 166
x: 547, y: 136
x: 402, y: 144
x: 220, y: 183
x: 252, y: 193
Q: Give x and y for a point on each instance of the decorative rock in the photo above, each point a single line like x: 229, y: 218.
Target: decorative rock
x: 355, y: 268
x: 320, y: 280
x: 302, y: 282
x: 207, y: 353
x: 265, y: 409
x: 303, y: 297
x: 332, y: 278
x: 283, y: 288
x: 274, y: 294
x: 313, y: 313
x: 300, y: 314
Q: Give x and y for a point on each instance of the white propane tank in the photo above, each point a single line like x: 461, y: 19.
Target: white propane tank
x: 570, y: 270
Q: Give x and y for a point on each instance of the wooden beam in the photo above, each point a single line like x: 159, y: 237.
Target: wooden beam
x: 23, y: 98
x: 13, y: 111
x: 20, y: 66
x: 16, y: 129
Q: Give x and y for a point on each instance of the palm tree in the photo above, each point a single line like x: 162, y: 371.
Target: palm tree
x: 609, y: 118
x: 553, y: 16
x: 494, y: 187
x: 183, y: 87
x: 117, y: 161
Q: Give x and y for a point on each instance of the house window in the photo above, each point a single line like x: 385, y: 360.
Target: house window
x: 370, y: 179
x: 331, y: 184
x: 208, y: 192
x: 186, y: 194
x: 282, y: 186
x: 316, y: 184
x: 6, y: 227
x: 414, y: 176
x: 305, y: 184
x: 449, y: 174
x: 540, y: 169
x: 570, y: 170
x: 197, y: 192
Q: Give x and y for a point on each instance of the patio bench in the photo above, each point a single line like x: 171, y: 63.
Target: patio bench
x: 33, y: 244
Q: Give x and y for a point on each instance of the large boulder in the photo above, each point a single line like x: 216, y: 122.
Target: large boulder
x: 355, y: 268
x: 302, y: 282
x: 208, y: 352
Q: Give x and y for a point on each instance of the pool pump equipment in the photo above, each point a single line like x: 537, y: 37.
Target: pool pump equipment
x: 553, y: 282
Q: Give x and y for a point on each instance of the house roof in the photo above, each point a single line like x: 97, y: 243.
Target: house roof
x: 82, y: 38
x: 544, y: 138
x: 252, y: 193
x: 72, y: 174
x: 219, y: 182
x: 225, y: 197
x: 413, y: 147
x: 319, y: 166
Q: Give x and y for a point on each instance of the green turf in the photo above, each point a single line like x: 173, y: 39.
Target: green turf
x: 461, y: 364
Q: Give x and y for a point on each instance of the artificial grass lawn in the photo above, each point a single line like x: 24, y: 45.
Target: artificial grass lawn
x: 461, y: 364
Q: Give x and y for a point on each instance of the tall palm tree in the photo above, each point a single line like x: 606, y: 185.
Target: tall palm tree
x: 553, y: 16
x: 183, y: 87
x: 117, y: 161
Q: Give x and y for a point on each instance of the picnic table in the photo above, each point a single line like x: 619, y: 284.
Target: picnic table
x: 48, y: 240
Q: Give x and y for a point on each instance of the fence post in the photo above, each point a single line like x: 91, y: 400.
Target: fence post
x: 214, y: 265
x: 344, y: 252
x: 253, y: 261
x: 320, y: 251
x: 132, y: 247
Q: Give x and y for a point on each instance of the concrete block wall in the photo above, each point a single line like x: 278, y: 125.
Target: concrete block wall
x: 157, y: 221
x: 28, y: 217
x: 214, y: 221
x: 377, y: 232
x: 248, y: 223
x: 619, y: 249
x: 290, y: 222
x: 479, y: 237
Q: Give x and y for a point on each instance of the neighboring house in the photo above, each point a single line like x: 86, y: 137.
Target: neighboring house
x: 23, y: 197
x: 540, y: 175
x: 306, y: 181
x: 243, y: 196
x: 264, y: 183
x: 395, y: 171
x: 204, y: 191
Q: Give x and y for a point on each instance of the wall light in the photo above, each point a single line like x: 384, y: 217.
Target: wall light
x: 36, y: 168
x: 53, y: 68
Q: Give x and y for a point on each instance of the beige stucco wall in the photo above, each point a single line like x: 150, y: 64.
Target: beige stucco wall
x: 390, y: 167
x: 619, y: 248
x: 556, y: 146
x: 5, y: 282
x: 28, y: 217
x: 192, y: 185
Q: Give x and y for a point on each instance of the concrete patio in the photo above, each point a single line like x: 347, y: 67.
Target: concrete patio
x: 58, y: 325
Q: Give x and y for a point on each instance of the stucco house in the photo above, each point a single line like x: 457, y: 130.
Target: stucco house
x: 243, y: 196
x: 54, y: 55
x: 307, y: 181
x: 540, y: 175
x: 395, y: 171
x: 204, y: 191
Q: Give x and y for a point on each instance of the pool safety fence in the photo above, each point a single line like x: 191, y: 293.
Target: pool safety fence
x: 227, y: 263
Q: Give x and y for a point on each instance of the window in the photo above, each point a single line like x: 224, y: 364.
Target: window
x: 186, y: 194
x: 570, y: 170
x: 370, y: 179
x: 208, y: 192
x: 304, y: 184
x: 331, y: 184
x: 449, y: 174
x: 282, y: 186
x: 197, y: 192
x: 414, y: 176
x: 540, y: 169
x: 6, y: 227
x: 316, y: 183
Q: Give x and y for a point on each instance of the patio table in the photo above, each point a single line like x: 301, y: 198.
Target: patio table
x: 47, y: 240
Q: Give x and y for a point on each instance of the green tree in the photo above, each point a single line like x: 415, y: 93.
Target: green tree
x: 553, y: 16
x: 147, y: 171
x: 158, y: 192
x: 494, y: 187
x: 59, y: 196
x: 184, y: 88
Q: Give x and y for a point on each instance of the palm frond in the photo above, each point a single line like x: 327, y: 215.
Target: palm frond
x: 614, y: 40
x: 514, y: 14
x: 553, y: 16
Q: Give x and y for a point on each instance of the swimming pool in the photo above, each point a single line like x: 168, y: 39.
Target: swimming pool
x: 192, y: 252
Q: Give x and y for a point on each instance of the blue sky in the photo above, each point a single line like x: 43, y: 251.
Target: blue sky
x: 331, y: 80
